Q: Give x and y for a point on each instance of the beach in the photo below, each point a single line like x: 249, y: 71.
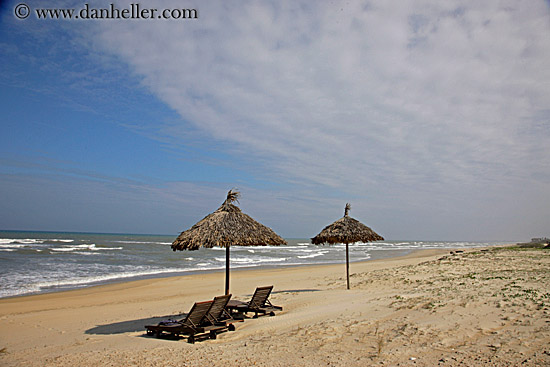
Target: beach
x: 472, y: 307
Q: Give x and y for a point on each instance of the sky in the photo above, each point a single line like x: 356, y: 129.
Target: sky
x: 431, y: 118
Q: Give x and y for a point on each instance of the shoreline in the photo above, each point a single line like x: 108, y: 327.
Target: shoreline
x: 219, y: 276
x: 39, y: 263
x: 161, y: 275
x: 198, y: 273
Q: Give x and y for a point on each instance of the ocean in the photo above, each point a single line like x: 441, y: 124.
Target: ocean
x: 39, y: 262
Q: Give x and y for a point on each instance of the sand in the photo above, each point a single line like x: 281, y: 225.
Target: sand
x: 430, y: 308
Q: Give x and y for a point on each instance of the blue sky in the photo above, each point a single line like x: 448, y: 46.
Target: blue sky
x: 431, y: 118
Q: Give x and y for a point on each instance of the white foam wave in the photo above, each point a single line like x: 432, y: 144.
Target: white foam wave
x: 13, y: 246
x: 312, y: 255
x: 132, y: 242
x: 28, y: 241
x: 90, y: 280
x: 247, y: 260
x: 17, y: 292
x: 105, y: 248
x: 256, y: 247
x: 144, y: 242
x: 91, y: 247
x: 106, y: 277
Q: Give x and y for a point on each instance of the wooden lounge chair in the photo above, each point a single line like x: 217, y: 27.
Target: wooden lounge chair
x: 193, y: 324
x: 259, y: 304
x: 218, y: 315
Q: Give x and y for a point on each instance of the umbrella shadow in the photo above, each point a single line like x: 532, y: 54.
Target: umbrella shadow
x: 296, y: 291
x: 288, y: 291
x: 130, y: 325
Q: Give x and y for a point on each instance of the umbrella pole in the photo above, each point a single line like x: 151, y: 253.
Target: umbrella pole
x: 347, y: 264
x: 227, y: 269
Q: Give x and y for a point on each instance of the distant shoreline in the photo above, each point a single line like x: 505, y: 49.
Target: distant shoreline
x: 88, y: 233
x: 286, y: 238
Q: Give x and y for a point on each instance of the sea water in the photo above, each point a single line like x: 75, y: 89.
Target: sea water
x: 37, y: 262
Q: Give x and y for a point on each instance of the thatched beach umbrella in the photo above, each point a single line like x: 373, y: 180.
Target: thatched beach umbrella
x: 346, y: 230
x: 227, y: 227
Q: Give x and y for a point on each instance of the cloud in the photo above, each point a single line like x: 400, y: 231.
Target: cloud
x: 342, y: 93
x: 421, y: 102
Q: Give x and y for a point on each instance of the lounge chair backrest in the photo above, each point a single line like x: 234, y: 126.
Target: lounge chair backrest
x: 217, y: 310
x: 260, y: 296
x: 198, y: 313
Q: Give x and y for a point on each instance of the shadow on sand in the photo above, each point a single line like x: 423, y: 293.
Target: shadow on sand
x: 295, y: 291
x: 130, y: 326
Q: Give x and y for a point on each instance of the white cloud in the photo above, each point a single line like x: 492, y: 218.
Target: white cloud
x: 423, y: 102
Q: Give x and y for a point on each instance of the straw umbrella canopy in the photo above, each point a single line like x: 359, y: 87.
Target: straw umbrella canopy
x: 346, y: 230
x: 227, y: 226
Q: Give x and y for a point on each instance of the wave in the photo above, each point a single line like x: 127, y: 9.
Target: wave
x: 13, y: 246
x: 91, y: 280
x: 145, y: 242
x: 237, y: 248
x: 106, y: 277
x: 305, y: 250
x: 28, y: 241
x: 312, y: 255
x: 91, y: 247
x: 248, y: 260
x: 32, y: 241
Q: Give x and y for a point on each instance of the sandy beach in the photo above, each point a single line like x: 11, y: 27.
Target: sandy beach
x: 472, y: 308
